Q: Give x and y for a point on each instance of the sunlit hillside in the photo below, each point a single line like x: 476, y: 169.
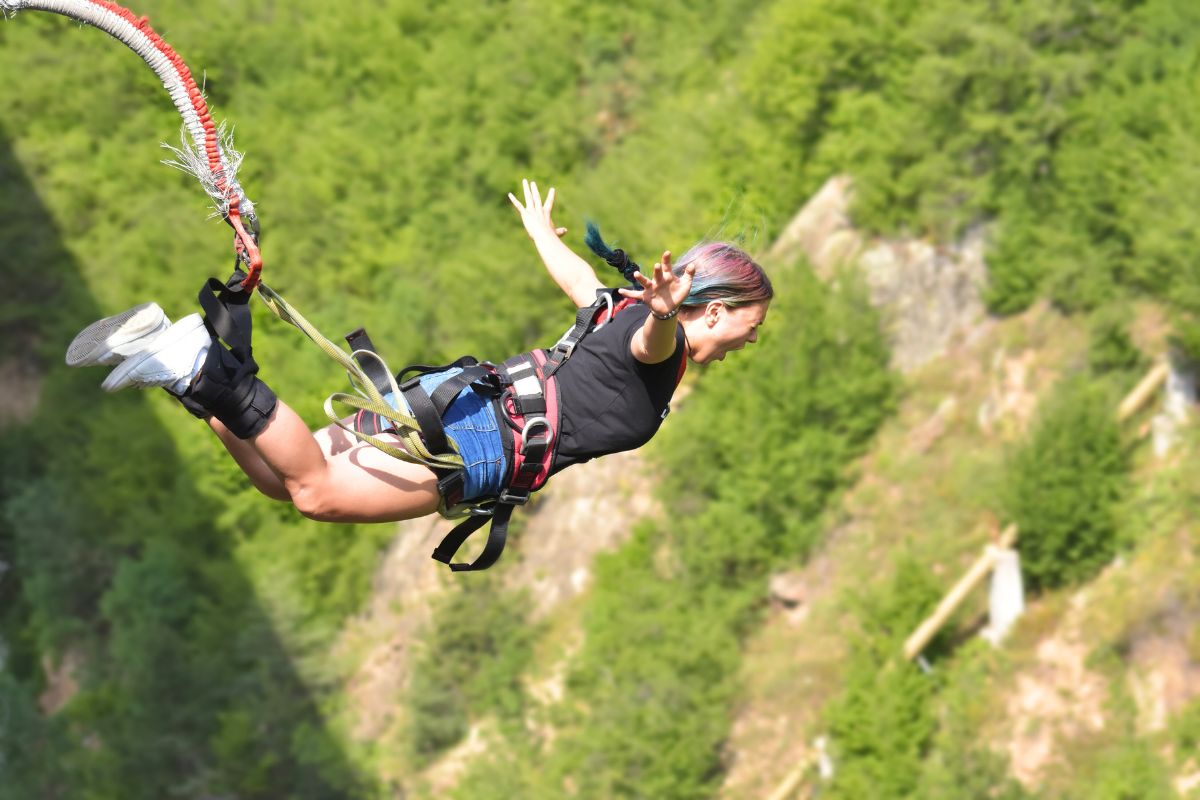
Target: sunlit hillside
x: 721, y: 613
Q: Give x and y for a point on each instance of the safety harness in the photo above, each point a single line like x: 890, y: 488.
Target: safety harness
x: 524, y: 393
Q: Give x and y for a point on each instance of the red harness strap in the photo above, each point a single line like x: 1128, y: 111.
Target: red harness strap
x: 530, y: 407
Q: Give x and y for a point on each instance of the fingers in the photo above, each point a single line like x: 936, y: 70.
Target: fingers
x: 631, y: 293
x: 533, y: 199
x: 666, y: 259
x: 685, y: 281
x: 561, y: 231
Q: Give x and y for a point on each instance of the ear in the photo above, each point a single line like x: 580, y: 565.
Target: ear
x: 713, y: 311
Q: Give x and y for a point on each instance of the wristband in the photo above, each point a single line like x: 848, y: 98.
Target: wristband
x: 669, y: 315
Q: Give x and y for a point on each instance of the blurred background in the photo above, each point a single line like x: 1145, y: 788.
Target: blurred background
x: 980, y: 219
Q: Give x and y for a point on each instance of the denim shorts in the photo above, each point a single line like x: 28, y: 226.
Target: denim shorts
x: 470, y: 422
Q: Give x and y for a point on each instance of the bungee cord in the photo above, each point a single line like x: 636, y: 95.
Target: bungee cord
x: 206, y: 151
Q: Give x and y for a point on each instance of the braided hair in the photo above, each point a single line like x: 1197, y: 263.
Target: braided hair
x: 724, y: 272
x: 617, y: 259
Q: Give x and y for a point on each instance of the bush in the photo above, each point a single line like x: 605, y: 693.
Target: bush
x: 479, y: 644
x: 1110, y: 348
x: 1126, y: 770
x: 882, y: 724
x: 1063, y: 485
x: 963, y: 764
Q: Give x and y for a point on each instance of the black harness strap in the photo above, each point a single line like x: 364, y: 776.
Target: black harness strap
x: 227, y: 316
x: 428, y: 409
x: 373, y: 367
x: 491, y: 550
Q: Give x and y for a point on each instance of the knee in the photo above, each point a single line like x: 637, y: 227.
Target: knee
x: 273, y: 492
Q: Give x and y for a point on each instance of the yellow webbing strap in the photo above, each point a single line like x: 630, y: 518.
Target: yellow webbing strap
x: 366, y: 396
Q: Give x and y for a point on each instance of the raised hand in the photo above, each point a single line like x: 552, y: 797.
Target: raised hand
x: 535, y: 215
x: 664, y: 292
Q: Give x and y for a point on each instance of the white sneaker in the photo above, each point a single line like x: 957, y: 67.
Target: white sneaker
x: 112, y: 339
x: 171, y: 360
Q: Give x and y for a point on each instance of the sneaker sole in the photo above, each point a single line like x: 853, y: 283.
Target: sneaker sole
x: 95, y: 344
x: 119, y: 377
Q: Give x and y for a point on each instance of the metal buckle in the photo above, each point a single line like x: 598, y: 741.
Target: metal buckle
x: 451, y: 486
x: 608, y: 301
x: 566, y: 347
x: 530, y: 423
x: 510, y: 499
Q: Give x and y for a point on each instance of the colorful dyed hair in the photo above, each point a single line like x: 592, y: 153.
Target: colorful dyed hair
x: 725, y: 273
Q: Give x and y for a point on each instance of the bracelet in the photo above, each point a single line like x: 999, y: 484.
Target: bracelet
x: 669, y: 315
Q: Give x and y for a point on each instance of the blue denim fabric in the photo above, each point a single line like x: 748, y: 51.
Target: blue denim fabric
x: 470, y: 422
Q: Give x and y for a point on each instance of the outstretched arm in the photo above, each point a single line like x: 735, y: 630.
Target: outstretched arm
x: 572, y: 274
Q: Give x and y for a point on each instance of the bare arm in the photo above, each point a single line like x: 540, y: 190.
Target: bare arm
x: 663, y: 293
x: 572, y: 274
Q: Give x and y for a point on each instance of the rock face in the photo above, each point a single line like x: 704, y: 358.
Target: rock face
x: 588, y: 509
x: 928, y: 295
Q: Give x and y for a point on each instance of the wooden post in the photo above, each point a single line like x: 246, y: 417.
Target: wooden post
x: 950, y: 603
x: 791, y: 783
x: 1145, y: 389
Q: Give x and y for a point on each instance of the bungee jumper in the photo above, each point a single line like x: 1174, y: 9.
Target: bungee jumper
x: 605, y: 387
x: 470, y: 439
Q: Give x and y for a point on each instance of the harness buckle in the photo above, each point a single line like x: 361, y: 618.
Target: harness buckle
x: 451, y: 486
x: 608, y: 311
x: 566, y: 347
x: 530, y: 424
x: 508, y: 498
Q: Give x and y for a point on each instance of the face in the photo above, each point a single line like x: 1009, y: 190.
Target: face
x: 720, y: 330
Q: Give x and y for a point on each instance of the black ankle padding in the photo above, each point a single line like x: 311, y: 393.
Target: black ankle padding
x: 231, y: 391
x: 195, y: 409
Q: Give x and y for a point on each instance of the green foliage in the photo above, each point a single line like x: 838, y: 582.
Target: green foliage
x: 654, y: 683
x: 1063, y: 486
x: 479, y: 645
x: 1185, y: 731
x: 882, y: 724
x: 1110, y: 348
x: 1129, y: 769
x: 1058, y: 121
x: 27, y: 740
x: 962, y: 764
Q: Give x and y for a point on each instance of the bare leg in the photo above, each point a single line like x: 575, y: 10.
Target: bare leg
x: 265, y: 479
x: 330, y: 476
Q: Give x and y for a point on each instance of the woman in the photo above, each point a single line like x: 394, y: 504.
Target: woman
x: 615, y: 388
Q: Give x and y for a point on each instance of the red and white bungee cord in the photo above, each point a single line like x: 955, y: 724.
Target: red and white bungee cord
x: 209, y: 155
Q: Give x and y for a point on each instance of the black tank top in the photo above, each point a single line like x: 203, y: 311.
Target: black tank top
x: 609, y: 400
